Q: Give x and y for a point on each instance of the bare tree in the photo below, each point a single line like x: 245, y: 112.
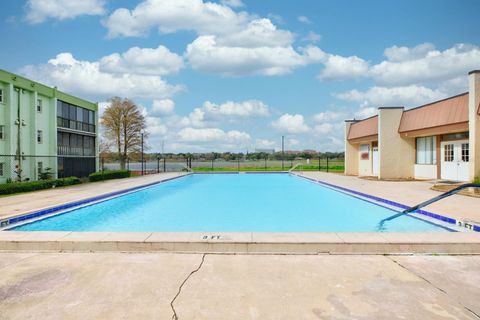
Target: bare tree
x: 124, y: 124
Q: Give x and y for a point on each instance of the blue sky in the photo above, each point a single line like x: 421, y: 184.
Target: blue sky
x: 234, y: 75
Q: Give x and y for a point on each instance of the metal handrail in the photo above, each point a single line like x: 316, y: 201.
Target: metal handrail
x: 435, y: 199
x: 294, y: 167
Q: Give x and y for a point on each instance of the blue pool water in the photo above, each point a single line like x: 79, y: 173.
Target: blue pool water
x: 233, y: 202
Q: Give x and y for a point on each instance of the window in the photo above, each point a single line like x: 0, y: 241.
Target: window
x: 39, y: 136
x: 1, y: 169
x: 2, y: 132
x: 76, y: 118
x: 39, y: 105
x: 465, y: 152
x: 448, y: 153
x: 91, y: 118
x: 39, y: 168
x: 1, y: 95
x: 427, y: 150
x: 365, y: 151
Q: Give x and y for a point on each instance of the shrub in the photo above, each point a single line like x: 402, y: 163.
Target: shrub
x: 18, y: 187
x: 107, y: 175
x: 67, y: 181
x: 476, y: 180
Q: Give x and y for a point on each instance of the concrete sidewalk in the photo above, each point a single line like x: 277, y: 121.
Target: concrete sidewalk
x: 195, y: 286
x: 406, y: 192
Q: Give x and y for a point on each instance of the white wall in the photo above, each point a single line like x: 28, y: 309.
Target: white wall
x: 351, y: 153
x: 365, y: 166
x: 474, y: 123
x: 425, y: 171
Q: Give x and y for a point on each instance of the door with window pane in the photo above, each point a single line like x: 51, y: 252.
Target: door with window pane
x: 455, y: 157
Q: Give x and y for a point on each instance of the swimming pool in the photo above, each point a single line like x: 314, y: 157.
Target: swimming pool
x: 233, y: 203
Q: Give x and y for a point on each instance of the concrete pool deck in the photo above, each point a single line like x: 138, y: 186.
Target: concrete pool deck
x: 195, y: 286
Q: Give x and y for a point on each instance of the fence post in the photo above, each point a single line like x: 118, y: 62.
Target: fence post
x: 319, y: 168
x: 158, y: 164
x: 128, y: 164
x: 327, y: 163
x: 265, y: 163
x: 238, y: 164
x: 103, y: 169
x: 212, y: 164
x: 164, y: 165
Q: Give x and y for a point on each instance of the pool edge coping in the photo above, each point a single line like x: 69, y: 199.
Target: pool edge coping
x: 243, y: 243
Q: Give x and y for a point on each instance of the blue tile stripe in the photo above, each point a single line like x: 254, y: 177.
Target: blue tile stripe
x: 389, y: 202
x: 79, y: 203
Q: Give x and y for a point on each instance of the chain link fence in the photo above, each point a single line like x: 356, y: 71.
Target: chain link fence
x: 33, y: 167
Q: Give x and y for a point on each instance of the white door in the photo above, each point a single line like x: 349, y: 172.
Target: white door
x: 375, y: 161
x: 463, y: 162
x: 455, y: 160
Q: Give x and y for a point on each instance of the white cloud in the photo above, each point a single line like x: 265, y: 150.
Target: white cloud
x: 291, y: 142
x: 229, y: 43
x: 258, y: 33
x: 264, y: 144
x: 163, y: 107
x: 212, y: 135
x: 366, y: 112
x: 86, y: 79
x: 328, y: 116
x: 232, y: 3
x: 304, y: 19
x: 323, y: 128
x: 37, y: 11
x: 147, y: 61
x: 155, y: 127
x: 210, y: 113
x: 174, y: 15
x: 196, y: 118
x: 243, y: 109
x: 293, y: 124
x: 394, y: 96
x: 205, y: 54
x: 278, y: 19
x: 312, y: 37
x: 398, y: 54
x: 338, y: 68
x: 424, y: 64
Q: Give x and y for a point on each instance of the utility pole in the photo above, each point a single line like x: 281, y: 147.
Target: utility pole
x: 19, y: 126
x: 283, y: 152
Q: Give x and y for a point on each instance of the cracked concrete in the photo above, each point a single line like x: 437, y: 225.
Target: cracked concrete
x: 190, y: 286
x: 175, y: 316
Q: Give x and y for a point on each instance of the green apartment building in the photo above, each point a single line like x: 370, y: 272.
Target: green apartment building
x: 42, y: 127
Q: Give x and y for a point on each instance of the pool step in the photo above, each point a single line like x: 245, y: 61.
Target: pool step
x: 244, y: 243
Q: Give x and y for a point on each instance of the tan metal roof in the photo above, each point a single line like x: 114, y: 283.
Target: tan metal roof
x: 440, y: 113
x: 364, y: 128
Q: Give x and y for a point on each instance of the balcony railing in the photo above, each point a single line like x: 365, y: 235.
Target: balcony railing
x: 75, y: 125
x: 75, y: 151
